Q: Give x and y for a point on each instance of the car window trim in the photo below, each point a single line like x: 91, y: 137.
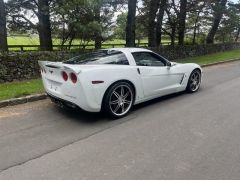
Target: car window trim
x: 162, y: 59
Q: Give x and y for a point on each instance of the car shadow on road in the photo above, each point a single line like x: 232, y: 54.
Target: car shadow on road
x: 78, y: 115
x: 157, y: 101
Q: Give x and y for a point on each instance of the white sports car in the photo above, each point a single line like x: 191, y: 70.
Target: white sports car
x: 113, y: 80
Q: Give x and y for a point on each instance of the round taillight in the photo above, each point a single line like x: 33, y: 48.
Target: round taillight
x: 65, y: 76
x: 73, y: 77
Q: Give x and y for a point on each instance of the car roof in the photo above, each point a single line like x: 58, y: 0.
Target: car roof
x: 131, y: 50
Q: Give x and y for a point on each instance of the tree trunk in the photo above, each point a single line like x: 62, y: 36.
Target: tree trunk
x: 70, y: 41
x: 182, y: 21
x: 217, y: 18
x: 237, y: 35
x: 152, y: 12
x: 195, y: 29
x: 173, y: 35
x: 3, y: 29
x: 160, y: 22
x: 44, y: 27
x: 98, y: 36
x: 131, y: 24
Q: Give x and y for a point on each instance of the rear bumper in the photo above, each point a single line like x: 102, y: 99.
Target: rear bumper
x: 72, y: 95
x: 79, y: 102
x: 62, y: 102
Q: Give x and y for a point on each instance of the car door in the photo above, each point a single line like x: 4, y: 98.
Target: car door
x: 157, y: 78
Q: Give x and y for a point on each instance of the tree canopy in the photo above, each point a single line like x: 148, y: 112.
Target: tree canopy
x: 180, y: 21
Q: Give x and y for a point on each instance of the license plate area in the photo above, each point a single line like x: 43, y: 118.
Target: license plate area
x: 53, y: 85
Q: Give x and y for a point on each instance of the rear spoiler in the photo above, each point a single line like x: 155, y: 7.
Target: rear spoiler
x: 58, y: 65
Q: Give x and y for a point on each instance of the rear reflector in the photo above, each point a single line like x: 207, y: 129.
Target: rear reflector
x: 97, y: 82
x: 73, y: 77
x: 65, y: 76
x: 43, y: 70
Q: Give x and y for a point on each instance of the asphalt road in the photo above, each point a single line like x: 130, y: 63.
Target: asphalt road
x: 184, y: 136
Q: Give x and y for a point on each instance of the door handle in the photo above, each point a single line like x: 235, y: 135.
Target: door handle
x: 138, y: 70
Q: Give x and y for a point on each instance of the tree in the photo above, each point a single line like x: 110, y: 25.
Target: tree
x: 160, y: 16
x: 171, y: 21
x: 44, y: 26
x: 197, y: 12
x: 103, y: 14
x: 120, y: 27
x: 182, y: 21
x: 74, y: 20
x: 83, y: 20
x: 131, y: 23
x: 22, y: 13
x: 152, y: 12
x: 3, y: 29
x: 236, y: 9
x: 218, y: 9
x: 97, y: 18
x: 228, y: 29
x: 237, y: 34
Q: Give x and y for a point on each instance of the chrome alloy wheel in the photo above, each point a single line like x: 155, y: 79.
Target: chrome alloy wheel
x: 195, y: 80
x: 121, y: 100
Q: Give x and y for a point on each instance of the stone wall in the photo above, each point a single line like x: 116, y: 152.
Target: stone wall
x: 15, y: 66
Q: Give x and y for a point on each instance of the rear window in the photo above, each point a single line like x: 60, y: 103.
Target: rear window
x: 100, y: 57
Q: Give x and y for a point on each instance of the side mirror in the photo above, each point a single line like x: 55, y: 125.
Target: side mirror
x: 169, y: 65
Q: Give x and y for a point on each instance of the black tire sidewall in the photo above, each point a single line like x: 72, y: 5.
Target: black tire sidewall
x: 105, y: 105
x: 188, y: 85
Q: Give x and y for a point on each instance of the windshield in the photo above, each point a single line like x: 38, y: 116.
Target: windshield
x: 100, y: 57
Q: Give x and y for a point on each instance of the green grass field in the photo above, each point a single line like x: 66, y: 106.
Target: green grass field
x: 212, y: 58
x: 22, y: 40
x: 33, y: 40
x: 18, y: 89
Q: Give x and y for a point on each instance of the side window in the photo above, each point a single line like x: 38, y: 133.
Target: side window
x: 119, y: 59
x: 147, y: 59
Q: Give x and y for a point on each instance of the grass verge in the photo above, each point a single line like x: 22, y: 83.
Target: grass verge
x: 18, y: 89
x: 212, y: 58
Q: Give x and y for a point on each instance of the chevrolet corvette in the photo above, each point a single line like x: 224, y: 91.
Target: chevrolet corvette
x: 113, y: 80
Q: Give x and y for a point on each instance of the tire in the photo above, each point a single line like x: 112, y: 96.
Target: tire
x: 118, y: 100
x: 194, y: 81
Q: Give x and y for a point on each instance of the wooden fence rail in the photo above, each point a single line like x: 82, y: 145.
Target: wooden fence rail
x: 72, y: 47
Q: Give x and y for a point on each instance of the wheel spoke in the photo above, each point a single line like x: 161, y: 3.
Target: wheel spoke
x: 122, y: 91
x: 196, y: 78
x: 192, y: 86
x: 126, y: 102
x: 193, y: 77
x: 116, y: 94
x: 122, y: 106
x: 117, y: 108
x: 126, y: 95
x: 114, y: 102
